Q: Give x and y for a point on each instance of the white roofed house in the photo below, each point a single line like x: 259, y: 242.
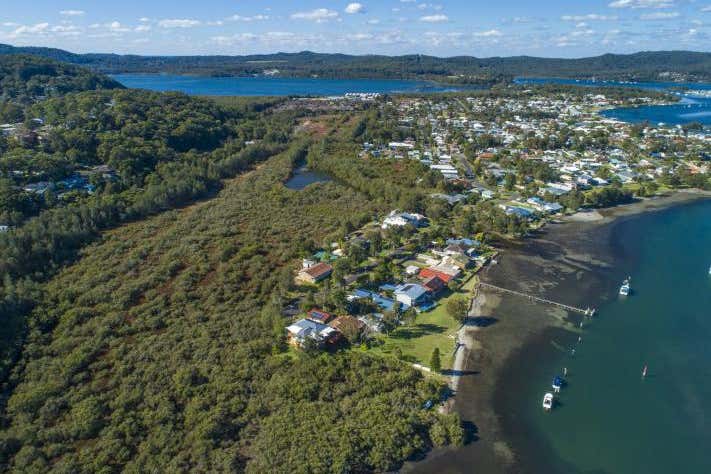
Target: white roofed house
x: 544, y: 206
x: 411, y: 294
x: 305, y: 330
x: 401, y: 219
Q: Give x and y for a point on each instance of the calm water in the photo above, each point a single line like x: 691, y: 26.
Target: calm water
x: 266, y: 86
x: 611, y: 420
x: 302, y: 177
x: 692, y: 108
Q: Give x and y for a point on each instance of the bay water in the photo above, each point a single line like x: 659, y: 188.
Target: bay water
x: 611, y: 419
x: 694, y: 104
x: 273, y: 86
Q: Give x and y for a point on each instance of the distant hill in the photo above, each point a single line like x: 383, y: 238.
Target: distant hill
x: 26, y: 78
x: 669, y: 65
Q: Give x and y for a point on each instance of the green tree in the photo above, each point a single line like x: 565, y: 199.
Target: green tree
x: 409, y: 316
x: 458, y: 307
x: 435, y: 362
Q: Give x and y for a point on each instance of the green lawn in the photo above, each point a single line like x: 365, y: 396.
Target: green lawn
x: 432, y: 329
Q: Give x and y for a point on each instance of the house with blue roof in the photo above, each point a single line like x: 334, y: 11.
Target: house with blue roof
x: 411, y: 294
x: 386, y: 304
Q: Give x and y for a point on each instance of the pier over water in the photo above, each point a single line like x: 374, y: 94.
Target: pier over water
x: 585, y: 311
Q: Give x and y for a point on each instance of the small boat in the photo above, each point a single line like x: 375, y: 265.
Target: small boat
x: 625, y: 288
x: 709, y: 269
x: 644, y: 371
x: 557, y: 383
x: 548, y: 401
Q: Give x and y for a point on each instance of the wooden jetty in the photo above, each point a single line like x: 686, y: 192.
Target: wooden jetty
x: 585, y: 311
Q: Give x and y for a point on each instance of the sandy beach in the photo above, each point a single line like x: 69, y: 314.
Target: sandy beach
x: 568, y: 261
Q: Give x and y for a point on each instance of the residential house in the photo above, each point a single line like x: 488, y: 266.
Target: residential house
x: 386, y: 304
x: 314, y: 273
x: 412, y: 270
x: 304, y: 330
x: 348, y: 326
x: 429, y: 272
x: 401, y: 219
x: 411, y: 294
x: 521, y: 212
x: 544, y: 206
x: 374, y: 321
x: 434, y: 285
x: 319, y: 316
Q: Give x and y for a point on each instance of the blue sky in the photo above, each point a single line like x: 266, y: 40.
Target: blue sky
x: 448, y: 27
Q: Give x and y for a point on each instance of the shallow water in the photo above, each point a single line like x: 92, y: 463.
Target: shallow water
x: 610, y: 419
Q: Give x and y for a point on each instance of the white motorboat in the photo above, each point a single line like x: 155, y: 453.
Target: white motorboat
x: 625, y: 288
x: 548, y: 401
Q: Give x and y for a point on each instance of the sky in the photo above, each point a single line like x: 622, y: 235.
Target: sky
x: 550, y: 28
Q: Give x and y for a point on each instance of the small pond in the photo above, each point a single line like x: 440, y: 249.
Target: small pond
x: 303, y: 176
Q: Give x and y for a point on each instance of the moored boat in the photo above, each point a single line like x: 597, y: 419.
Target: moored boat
x: 548, y: 401
x: 625, y: 288
x: 557, y: 383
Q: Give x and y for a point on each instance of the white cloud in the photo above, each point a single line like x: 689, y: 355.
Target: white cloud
x: 488, y: 34
x: 178, y: 23
x: 707, y: 8
x: 438, y: 18
x: 432, y: 6
x: 659, y: 16
x: 577, y: 33
x: 112, y: 27
x: 642, y: 4
x: 66, y: 30
x: 142, y: 28
x: 249, y: 18
x: 355, y: 8
x: 360, y: 37
x: 373, y: 21
x: 234, y: 39
x: 589, y: 17
x: 36, y: 29
x: 318, y: 15
x: 72, y: 12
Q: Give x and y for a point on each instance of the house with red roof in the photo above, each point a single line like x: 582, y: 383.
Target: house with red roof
x: 319, y: 316
x: 434, y: 285
x: 429, y: 272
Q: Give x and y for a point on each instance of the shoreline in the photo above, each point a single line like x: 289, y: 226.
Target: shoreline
x: 572, y: 258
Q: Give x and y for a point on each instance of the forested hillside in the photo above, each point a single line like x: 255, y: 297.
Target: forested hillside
x: 639, y: 66
x: 24, y: 79
x: 133, y: 154
x: 163, y: 350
